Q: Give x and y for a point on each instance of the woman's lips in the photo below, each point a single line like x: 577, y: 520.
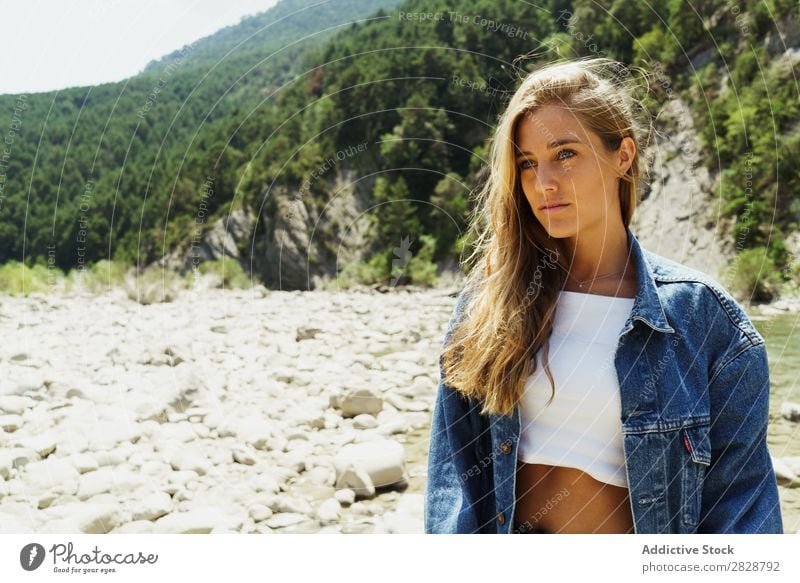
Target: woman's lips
x: 555, y: 209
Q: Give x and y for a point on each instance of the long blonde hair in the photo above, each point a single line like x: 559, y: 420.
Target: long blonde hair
x: 517, y: 268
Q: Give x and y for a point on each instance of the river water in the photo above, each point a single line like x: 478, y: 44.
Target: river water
x: 782, y: 335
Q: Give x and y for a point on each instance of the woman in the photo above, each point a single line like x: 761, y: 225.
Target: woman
x: 587, y: 384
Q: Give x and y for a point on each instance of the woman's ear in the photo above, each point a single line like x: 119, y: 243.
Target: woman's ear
x: 626, y: 154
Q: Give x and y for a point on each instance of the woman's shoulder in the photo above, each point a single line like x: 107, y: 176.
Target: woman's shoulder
x: 690, y: 290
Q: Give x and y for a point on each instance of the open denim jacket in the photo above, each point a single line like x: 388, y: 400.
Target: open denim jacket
x: 694, y: 384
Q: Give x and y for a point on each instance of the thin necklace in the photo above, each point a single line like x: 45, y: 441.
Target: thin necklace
x: 582, y: 283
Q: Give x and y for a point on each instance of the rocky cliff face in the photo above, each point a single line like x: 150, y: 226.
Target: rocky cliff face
x: 307, y: 243
x: 299, y: 246
x: 224, y: 238
x: 679, y: 216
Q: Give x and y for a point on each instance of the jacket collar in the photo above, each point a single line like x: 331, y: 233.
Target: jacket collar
x: 647, y: 305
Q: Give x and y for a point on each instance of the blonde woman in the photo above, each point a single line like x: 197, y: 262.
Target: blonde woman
x: 587, y: 384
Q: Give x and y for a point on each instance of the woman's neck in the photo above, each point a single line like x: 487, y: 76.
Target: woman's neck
x: 602, y: 266
x: 619, y: 288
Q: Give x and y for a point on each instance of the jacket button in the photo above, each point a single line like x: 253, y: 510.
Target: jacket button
x: 505, y: 447
x: 501, y: 517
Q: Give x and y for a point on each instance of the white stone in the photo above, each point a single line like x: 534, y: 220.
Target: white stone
x: 152, y: 507
x: 292, y: 505
x: 197, y: 521
x: 15, y: 405
x: 357, y: 480
x: 182, y: 477
x: 364, y: 421
x: 24, y: 382
x: 6, y: 465
x: 407, y: 516
x: 135, y: 527
x: 784, y: 473
x: 332, y: 420
x: 187, y: 460
x: 242, y: 455
x: 259, y: 512
x: 71, y: 441
x: 255, y: 431
x: 321, y: 475
x: 87, y: 518
x: 16, y: 523
x: 403, y: 404
x: 180, y: 432
x: 298, y: 434
x: 329, y: 510
x: 276, y: 443
x: 52, y: 474
x: 10, y: 423
x: 43, y: 445
x: 358, y: 401
x: 83, y: 462
x: 108, y: 433
x: 15, y: 458
x: 345, y: 496
x: 417, y: 420
x: 265, y: 483
x: 409, y: 356
x: 383, y: 460
x: 792, y: 462
x: 112, y: 457
x: 285, y: 519
x: 790, y: 411
x: 393, y: 426
x: 312, y: 418
x: 108, y: 479
x: 359, y: 508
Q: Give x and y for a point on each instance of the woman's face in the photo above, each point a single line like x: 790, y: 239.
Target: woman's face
x: 562, y: 163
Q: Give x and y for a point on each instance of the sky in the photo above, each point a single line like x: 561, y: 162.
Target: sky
x: 55, y: 44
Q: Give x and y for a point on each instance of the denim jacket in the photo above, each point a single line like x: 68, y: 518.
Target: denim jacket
x: 694, y: 388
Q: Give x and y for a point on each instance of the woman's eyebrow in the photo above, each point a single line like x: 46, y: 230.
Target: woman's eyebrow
x: 553, y: 144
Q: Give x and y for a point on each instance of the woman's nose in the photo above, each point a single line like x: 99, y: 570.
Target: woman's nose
x: 545, y: 180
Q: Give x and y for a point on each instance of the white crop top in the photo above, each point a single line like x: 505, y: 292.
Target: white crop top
x: 581, y: 427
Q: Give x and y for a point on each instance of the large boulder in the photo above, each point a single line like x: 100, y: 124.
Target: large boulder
x: 368, y: 465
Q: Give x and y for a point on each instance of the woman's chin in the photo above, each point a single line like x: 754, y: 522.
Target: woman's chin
x: 558, y: 231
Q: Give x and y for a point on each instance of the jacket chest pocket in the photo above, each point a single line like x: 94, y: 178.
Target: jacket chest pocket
x: 696, y: 457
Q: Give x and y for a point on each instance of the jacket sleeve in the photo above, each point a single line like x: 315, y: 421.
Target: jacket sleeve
x: 446, y: 509
x: 740, y: 491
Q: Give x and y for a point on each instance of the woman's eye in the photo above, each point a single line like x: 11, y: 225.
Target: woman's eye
x: 523, y: 165
x: 570, y: 152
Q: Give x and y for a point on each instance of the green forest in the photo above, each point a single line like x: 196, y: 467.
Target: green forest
x: 117, y: 171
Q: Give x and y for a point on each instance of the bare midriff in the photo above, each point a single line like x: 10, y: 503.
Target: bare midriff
x: 557, y: 499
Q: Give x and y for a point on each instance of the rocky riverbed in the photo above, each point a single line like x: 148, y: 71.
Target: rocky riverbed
x: 244, y: 411
x: 223, y: 411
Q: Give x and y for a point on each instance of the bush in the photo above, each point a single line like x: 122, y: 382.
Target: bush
x: 421, y: 267
x: 362, y: 272
x: 17, y: 278
x: 755, y: 276
x: 100, y: 277
x: 229, y: 271
x: 399, y: 266
x: 154, y: 285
